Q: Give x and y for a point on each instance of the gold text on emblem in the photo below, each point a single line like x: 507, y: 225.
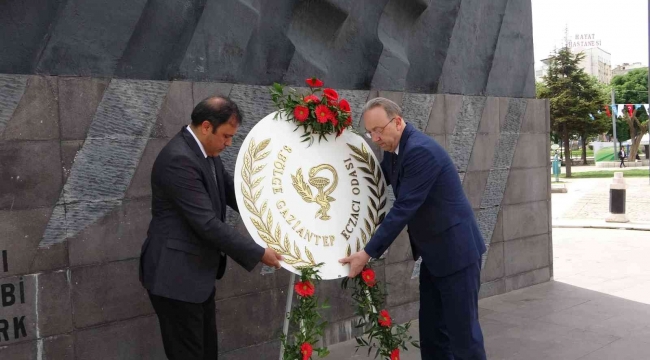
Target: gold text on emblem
x: 322, y: 198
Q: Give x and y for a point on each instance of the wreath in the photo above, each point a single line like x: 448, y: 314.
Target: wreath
x: 320, y: 112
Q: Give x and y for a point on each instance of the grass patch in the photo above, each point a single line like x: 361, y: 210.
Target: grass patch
x: 577, y: 153
x: 607, y: 174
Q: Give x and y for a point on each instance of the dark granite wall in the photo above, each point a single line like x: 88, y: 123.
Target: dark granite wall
x: 468, y: 47
x: 91, y: 90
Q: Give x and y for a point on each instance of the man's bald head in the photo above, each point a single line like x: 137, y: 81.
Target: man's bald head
x: 218, y: 110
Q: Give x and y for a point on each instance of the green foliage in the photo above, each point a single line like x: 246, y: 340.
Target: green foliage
x: 609, y: 174
x: 631, y: 88
x: 305, y: 317
x: 573, y: 97
x: 382, y: 339
x: 572, y: 94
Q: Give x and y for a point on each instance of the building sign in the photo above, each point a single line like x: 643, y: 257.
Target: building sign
x: 584, y: 40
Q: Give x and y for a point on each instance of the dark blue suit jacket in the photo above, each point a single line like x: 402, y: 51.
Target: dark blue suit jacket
x: 430, y: 200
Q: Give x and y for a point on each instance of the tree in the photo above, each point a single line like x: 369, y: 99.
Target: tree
x: 599, y: 122
x: 572, y: 95
x: 632, y: 88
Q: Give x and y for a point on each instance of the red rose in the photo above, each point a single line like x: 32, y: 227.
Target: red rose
x: 368, y: 276
x: 344, y: 105
x: 306, y: 350
x: 301, y: 113
x: 384, y: 318
x: 331, y: 95
x: 348, y: 121
x: 305, y: 288
x: 323, y: 114
x: 394, y: 355
x: 314, y: 82
x: 334, y: 120
x: 311, y: 98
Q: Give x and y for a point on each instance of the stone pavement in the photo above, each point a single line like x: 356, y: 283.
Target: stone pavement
x: 587, y: 202
x: 597, y: 308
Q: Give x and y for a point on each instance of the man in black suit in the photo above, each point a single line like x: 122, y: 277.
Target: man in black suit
x: 188, y: 239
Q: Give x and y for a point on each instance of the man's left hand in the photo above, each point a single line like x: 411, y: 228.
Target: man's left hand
x: 357, y: 262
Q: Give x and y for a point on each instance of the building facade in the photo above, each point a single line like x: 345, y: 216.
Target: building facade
x: 596, y: 62
x: 626, y: 68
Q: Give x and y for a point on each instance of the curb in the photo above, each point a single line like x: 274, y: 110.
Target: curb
x: 622, y: 226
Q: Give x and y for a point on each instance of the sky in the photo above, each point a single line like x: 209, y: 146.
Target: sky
x: 622, y: 25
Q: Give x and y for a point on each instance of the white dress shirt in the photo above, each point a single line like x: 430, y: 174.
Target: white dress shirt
x: 197, y: 141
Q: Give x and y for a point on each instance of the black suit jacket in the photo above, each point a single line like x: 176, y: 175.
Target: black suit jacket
x: 187, y: 236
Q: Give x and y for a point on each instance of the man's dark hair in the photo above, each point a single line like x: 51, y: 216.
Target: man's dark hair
x: 217, y: 110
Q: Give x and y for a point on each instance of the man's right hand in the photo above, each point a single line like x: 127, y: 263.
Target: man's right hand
x: 271, y: 258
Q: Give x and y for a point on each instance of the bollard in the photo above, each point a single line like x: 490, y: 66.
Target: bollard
x: 617, y: 191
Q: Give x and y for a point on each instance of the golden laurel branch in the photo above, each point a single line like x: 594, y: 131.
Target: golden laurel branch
x: 264, y: 223
x: 377, y: 188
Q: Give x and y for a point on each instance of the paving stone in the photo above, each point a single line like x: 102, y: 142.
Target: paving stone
x: 30, y: 172
x: 106, y: 293
x: 37, y: 114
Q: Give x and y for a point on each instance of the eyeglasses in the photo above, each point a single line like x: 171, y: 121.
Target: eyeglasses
x: 378, y: 131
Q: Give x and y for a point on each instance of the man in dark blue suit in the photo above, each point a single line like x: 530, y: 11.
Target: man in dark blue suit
x: 442, y: 230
